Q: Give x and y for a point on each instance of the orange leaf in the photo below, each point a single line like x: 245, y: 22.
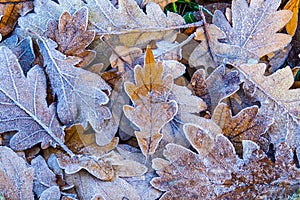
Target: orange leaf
x: 291, y: 26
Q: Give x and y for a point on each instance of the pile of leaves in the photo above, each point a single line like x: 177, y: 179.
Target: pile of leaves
x: 104, y: 99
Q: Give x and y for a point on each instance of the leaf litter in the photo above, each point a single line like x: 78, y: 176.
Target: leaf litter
x: 88, y: 110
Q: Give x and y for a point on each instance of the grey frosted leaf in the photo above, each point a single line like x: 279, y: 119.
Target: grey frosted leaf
x: 44, y: 177
x: 22, y: 49
x: 24, y: 108
x: 104, y: 16
x: 216, y: 87
x: 15, y: 175
x: 80, y: 93
x: 90, y: 187
x: 52, y: 193
x: 254, y: 25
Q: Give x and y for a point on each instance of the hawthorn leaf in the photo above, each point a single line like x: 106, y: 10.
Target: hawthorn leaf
x: 81, y: 94
x: 22, y: 49
x: 254, y: 25
x: 246, y: 125
x: 16, y: 176
x: 278, y: 101
x: 216, y: 87
x: 108, y: 190
x: 24, y: 107
x: 149, y: 95
x: 72, y: 36
x: 217, y: 173
x: 44, y: 178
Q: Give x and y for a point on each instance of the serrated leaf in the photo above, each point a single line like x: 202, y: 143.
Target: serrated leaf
x: 16, y: 176
x: 217, y: 173
x: 81, y: 94
x: 24, y: 107
x: 72, y: 36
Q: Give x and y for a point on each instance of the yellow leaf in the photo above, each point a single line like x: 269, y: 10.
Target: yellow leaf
x: 291, y: 26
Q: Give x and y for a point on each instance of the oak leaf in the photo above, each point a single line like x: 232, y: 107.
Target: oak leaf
x: 24, y: 107
x: 254, y: 26
x: 80, y: 93
x: 217, y: 173
x: 246, y: 125
x: 251, y: 35
x: 151, y: 109
x: 72, y: 36
x: 16, y: 176
x: 277, y: 100
x: 216, y: 87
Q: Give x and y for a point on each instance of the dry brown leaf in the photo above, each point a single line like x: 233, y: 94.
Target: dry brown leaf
x: 10, y: 10
x: 15, y: 175
x: 217, y: 173
x: 151, y: 110
x: 246, y: 125
x: 291, y: 26
x: 72, y: 36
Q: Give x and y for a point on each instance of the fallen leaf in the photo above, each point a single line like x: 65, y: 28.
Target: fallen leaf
x: 291, y: 26
x: 17, y: 174
x: 52, y: 193
x: 81, y: 94
x: 10, y: 12
x: 44, y: 178
x: 23, y: 49
x: 254, y: 26
x: 246, y: 125
x: 216, y: 87
x: 72, y: 36
x: 22, y: 110
x: 151, y: 110
x: 104, y: 167
x: 251, y: 35
x: 108, y: 190
x: 217, y: 173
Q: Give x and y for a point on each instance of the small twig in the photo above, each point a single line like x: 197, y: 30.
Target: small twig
x: 114, y: 51
x: 207, y: 36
